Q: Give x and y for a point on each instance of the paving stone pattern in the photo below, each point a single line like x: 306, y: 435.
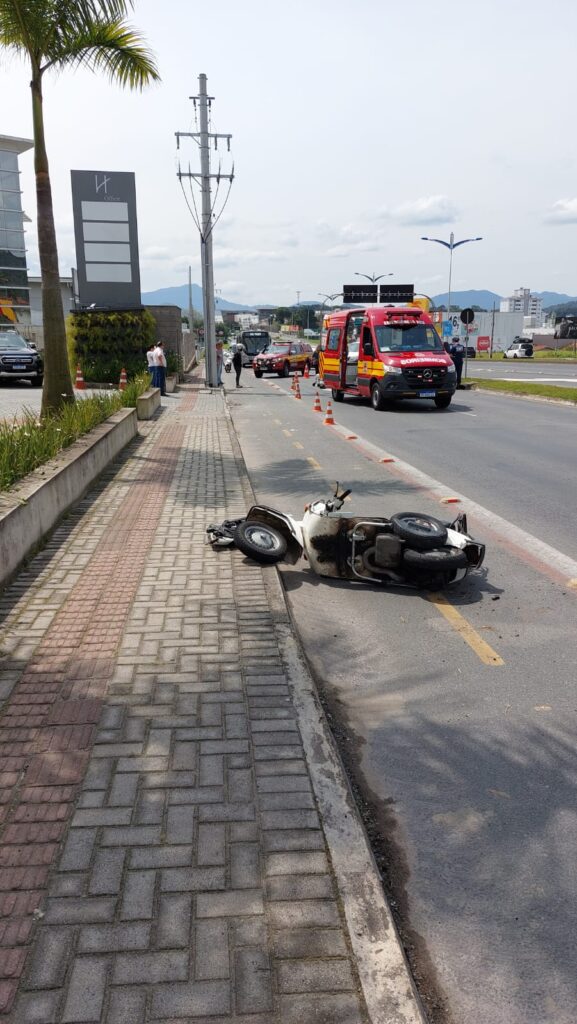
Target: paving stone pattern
x: 161, y: 853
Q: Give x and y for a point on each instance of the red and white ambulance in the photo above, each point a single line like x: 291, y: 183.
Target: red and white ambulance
x: 386, y: 353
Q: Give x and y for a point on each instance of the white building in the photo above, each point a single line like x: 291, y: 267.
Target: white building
x: 14, y: 294
x: 521, y: 301
x: 246, y: 320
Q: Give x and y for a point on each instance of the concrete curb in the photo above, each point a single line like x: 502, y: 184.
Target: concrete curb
x: 147, y: 403
x: 30, y: 510
x: 386, y: 981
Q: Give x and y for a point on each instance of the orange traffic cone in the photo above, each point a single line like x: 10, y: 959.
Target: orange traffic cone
x: 123, y: 380
x: 317, y: 407
x: 79, y: 383
x: 297, y: 389
x: 329, y: 421
x: 294, y: 384
x: 306, y: 374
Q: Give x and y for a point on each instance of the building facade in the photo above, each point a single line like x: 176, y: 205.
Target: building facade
x: 14, y: 291
x: 522, y: 301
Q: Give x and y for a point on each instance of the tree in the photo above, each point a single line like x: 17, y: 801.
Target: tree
x: 57, y: 35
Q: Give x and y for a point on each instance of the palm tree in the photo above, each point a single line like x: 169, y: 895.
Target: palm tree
x: 56, y: 35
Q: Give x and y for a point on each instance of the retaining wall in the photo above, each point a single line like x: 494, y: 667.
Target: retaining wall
x: 31, y: 509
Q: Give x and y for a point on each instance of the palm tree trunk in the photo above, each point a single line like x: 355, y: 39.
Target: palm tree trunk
x: 57, y: 381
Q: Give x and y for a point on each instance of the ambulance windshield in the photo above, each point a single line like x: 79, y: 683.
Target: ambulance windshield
x: 408, y: 337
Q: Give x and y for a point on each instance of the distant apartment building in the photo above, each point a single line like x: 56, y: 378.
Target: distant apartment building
x: 521, y: 301
x: 14, y: 290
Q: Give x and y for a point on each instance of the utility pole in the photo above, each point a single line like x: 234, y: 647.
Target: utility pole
x: 206, y: 221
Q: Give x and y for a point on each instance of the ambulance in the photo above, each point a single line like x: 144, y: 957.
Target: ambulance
x: 387, y: 353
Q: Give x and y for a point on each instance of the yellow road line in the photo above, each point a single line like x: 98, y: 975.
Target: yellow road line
x: 297, y: 444
x: 287, y: 433
x: 313, y: 462
x: 481, y: 648
x: 278, y: 423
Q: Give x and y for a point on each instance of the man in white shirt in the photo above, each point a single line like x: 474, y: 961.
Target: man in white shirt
x: 150, y: 361
x: 159, y: 363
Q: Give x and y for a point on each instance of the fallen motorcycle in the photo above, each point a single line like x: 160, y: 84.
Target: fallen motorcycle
x: 408, y: 548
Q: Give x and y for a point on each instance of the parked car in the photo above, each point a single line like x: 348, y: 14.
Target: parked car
x: 284, y: 358
x: 471, y: 352
x: 519, y: 350
x: 18, y: 359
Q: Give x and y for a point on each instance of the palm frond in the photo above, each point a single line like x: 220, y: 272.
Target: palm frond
x: 23, y: 26
x: 37, y: 26
x: 110, y: 46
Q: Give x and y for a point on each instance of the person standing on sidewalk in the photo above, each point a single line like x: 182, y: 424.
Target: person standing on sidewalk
x: 150, y: 362
x: 237, y: 363
x: 160, y: 367
x: 219, y: 363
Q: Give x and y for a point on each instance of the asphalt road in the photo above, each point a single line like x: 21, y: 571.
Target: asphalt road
x: 458, y: 722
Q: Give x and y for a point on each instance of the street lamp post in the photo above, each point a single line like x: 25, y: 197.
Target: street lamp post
x: 326, y: 298
x: 372, y: 278
x: 450, y: 245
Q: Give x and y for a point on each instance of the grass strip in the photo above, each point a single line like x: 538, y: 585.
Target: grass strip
x: 27, y: 441
x: 514, y: 387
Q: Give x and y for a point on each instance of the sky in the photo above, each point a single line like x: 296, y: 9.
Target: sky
x: 357, y: 128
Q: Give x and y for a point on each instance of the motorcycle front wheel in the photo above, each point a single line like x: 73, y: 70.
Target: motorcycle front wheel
x: 261, y: 542
x: 419, y: 531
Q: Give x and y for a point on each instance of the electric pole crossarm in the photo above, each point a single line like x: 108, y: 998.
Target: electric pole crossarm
x: 198, y: 177
x: 198, y: 135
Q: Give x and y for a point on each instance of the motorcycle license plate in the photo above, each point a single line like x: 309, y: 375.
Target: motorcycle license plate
x: 427, y: 394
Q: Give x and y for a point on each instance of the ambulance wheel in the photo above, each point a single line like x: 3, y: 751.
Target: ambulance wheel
x: 440, y: 560
x: 261, y: 542
x: 286, y: 370
x: 377, y: 400
x: 338, y: 396
x: 443, y: 401
x: 419, y: 531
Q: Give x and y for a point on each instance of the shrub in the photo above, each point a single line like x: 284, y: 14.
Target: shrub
x: 104, y: 342
x: 28, y: 442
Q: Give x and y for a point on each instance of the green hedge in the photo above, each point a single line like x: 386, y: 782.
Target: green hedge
x: 28, y: 442
x: 102, y: 343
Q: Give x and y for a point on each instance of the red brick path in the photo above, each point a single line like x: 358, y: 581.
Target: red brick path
x: 48, y: 725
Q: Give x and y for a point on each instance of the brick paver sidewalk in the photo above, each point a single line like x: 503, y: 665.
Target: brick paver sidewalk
x: 161, y: 853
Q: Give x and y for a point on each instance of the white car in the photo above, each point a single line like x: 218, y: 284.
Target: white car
x: 519, y: 350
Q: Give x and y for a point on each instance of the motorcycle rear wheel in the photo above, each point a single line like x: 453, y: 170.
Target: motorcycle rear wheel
x: 439, y: 560
x: 261, y: 542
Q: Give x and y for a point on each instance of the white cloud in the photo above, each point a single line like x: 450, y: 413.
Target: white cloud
x: 346, y: 240
x: 564, y: 211
x: 425, y: 210
x: 229, y: 257
x: 155, y: 252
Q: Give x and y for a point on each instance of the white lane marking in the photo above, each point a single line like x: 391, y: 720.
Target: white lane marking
x: 467, y: 413
x: 538, y: 551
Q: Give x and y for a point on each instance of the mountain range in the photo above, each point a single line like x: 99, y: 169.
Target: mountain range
x: 178, y: 296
